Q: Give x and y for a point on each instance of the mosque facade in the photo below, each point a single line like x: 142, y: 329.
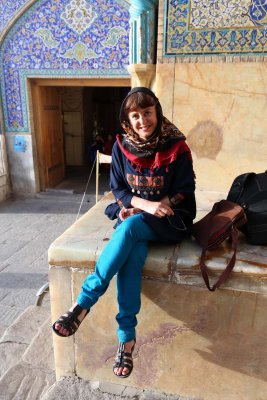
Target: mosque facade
x: 65, y: 66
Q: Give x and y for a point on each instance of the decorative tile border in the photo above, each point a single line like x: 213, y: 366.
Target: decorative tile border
x: 204, y: 27
x: 55, y: 38
x: 23, y: 75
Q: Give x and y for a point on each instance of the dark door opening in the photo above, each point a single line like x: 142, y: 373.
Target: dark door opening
x: 87, y: 113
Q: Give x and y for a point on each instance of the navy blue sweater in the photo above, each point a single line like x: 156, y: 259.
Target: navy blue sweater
x: 177, y: 181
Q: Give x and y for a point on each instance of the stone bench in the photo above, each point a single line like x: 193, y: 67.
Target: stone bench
x: 83, y: 242
x: 73, y: 255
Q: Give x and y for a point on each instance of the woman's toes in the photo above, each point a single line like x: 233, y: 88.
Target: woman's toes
x: 121, y: 371
x: 61, y: 330
x: 64, y: 332
x: 124, y: 371
x: 58, y: 327
x: 118, y: 371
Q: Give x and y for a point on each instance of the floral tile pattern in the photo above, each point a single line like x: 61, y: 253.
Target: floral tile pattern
x: 61, y: 38
x: 215, y: 27
x: 78, y: 15
x: 8, y: 8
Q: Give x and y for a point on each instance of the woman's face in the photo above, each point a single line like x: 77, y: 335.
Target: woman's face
x: 144, y: 121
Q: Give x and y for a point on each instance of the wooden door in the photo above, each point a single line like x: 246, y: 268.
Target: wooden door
x: 51, y: 133
x: 73, y: 138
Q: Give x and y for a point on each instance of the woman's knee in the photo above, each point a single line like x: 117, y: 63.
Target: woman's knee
x: 134, y: 226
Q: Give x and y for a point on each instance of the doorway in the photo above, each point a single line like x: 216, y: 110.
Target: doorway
x: 67, y: 119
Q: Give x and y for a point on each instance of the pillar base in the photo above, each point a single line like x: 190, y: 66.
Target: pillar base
x: 142, y: 74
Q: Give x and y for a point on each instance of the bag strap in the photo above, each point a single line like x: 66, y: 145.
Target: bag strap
x: 225, y: 274
x: 238, y: 186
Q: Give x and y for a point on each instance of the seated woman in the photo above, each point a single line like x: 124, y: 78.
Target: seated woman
x: 153, y: 182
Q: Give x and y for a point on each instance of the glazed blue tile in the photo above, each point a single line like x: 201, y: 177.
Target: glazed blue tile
x: 61, y: 37
x: 201, y: 27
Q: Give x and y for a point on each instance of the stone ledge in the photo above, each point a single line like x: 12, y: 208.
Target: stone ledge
x: 81, y: 244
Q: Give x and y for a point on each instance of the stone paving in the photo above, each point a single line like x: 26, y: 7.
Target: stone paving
x: 28, y: 225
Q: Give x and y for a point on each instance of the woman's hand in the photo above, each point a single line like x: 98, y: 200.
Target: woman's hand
x: 127, y: 212
x: 158, y: 208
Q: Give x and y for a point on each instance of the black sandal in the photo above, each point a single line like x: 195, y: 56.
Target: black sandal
x: 70, y: 321
x: 123, y: 360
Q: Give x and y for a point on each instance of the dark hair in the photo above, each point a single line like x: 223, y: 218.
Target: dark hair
x: 138, y: 99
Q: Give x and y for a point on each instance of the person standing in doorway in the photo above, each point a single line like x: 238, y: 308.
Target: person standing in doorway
x: 108, y: 145
x: 98, y: 144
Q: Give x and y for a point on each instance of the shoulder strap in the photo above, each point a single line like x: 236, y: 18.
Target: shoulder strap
x: 238, y: 186
x: 229, y: 267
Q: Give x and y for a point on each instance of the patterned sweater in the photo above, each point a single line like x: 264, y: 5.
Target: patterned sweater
x: 177, y: 181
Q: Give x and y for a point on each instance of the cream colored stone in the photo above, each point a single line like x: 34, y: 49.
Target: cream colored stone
x: 10, y: 354
x: 24, y: 328
x: 82, y: 243
x: 80, y: 246
x: 4, y: 178
x: 159, y: 263
x: 165, y: 88
x: 61, y: 299
x: 249, y: 273
x: 188, y: 338
x: 22, y: 381
x: 42, y: 340
x: 142, y: 74
x: 220, y: 103
x: 189, y: 341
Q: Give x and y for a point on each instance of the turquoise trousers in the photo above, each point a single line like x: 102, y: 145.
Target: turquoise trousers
x: 124, y: 255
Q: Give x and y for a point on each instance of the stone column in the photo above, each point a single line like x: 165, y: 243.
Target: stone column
x: 142, y: 74
x: 143, y: 23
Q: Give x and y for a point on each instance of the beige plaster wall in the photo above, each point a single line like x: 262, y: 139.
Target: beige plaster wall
x: 221, y: 108
x: 4, y: 179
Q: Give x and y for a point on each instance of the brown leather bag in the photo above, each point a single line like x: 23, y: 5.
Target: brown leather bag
x: 218, y: 225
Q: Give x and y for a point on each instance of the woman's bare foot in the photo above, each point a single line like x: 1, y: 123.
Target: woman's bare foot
x: 124, y: 371
x: 69, y: 322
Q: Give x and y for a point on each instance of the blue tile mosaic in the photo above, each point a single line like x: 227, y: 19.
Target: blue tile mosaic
x: 61, y: 38
x: 8, y: 9
x: 196, y: 27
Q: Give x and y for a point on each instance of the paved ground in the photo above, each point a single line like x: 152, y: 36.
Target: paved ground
x: 28, y: 226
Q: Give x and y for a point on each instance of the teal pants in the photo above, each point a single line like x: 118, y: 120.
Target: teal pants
x: 124, y: 255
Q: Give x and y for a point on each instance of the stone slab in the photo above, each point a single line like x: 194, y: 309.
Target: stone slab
x: 10, y: 355
x: 75, y: 388
x: 22, y: 382
x: 183, y: 347
x: 26, y: 326
x: 42, y: 340
x: 81, y: 244
x: 190, y: 342
x: 61, y: 299
x: 249, y: 273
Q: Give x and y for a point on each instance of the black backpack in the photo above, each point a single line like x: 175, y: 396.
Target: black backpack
x: 250, y: 192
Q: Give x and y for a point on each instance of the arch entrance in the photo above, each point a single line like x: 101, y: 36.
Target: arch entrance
x: 67, y: 114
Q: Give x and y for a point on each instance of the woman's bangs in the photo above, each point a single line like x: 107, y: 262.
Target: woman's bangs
x: 139, y: 100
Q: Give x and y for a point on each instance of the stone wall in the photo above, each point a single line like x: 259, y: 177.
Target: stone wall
x: 219, y: 102
x: 4, y: 179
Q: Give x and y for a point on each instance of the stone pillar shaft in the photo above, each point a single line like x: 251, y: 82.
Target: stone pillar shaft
x: 143, y: 42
